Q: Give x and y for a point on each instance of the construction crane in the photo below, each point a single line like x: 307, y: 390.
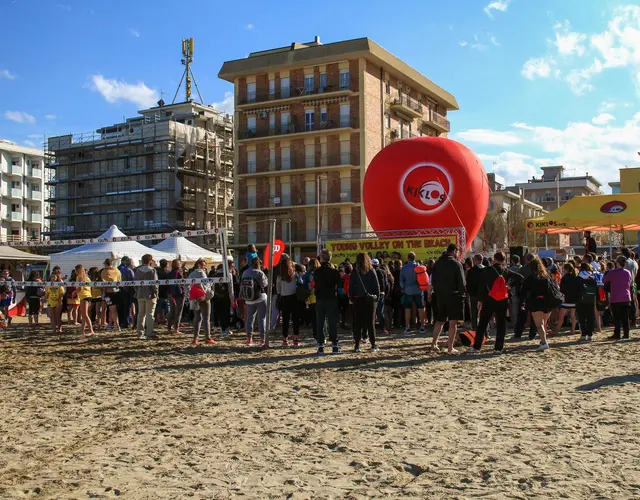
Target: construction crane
x: 187, y: 59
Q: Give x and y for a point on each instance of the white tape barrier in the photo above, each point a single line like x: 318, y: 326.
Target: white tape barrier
x: 138, y: 237
x: 117, y: 284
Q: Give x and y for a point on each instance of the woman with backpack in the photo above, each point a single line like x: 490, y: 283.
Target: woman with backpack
x: 222, y: 303
x: 493, y: 299
x: 34, y: 296
x: 619, y: 283
x: 200, y: 297
x: 252, y: 291
x: 364, y: 290
x: 569, y: 288
x: 587, y: 291
x: 538, y: 291
x: 286, y: 288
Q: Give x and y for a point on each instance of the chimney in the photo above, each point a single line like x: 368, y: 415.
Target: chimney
x: 316, y: 40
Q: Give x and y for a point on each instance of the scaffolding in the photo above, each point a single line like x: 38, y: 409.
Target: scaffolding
x: 170, y: 169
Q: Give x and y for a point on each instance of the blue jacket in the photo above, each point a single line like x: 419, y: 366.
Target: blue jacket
x: 408, y: 280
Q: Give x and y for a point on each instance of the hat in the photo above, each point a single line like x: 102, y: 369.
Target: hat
x: 375, y: 262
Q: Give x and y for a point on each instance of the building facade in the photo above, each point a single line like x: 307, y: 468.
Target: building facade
x: 23, y: 209
x: 629, y: 183
x: 169, y: 169
x: 309, y: 119
x: 554, y: 189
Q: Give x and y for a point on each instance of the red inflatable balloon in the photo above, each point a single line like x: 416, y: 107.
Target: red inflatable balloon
x: 426, y: 183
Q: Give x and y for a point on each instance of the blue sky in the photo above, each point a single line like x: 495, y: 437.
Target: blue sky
x: 538, y: 81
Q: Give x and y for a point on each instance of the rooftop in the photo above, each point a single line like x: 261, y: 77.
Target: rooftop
x: 304, y: 54
x: 7, y: 145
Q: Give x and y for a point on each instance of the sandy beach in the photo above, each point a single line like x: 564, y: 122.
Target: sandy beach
x: 114, y: 416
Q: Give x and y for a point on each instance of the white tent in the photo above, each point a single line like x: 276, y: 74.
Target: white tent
x: 187, y: 251
x: 94, y: 254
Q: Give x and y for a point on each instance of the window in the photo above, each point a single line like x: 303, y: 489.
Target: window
x: 400, y: 129
x: 252, y: 235
x: 272, y: 89
x: 15, y: 207
x: 272, y: 123
x: 251, y: 124
x: 345, y: 223
x: 285, y: 188
x: 309, y: 120
x: 285, y: 158
x: 309, y: 155
x: 323, y: 81
x: 323, y: 190
x: 284, y: 123
x: 387, y: 87
x: 251, y: 92
x: 387, y: 120
x: 345, y: 112
x: 15, y: 184
x: 285, y: 89
x: 410, y: 134
x: 311, y: 228
x: 344, y: 79
x: 345, y: 189
x: 310, y: 192
x: 272, y: 189
x: 251, y: 162
x: 309, y: 84
x: 323, y: 115
x: 272, y: 159
x: 345, y: 152
x: 251, y: 196
x: 35, y: 187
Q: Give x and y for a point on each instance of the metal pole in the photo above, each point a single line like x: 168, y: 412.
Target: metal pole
x: 546, y: 241
x: 225, y: 263
x: 290, y: 238
x: 610, y: 242
x: 272, y: 242
x: 318, y: 214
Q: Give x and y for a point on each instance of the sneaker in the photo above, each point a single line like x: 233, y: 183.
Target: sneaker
x: 583, y: 338
x: 225, y: 334
x: 614, y: 337
x: 296, y: 343
x: 496, y: 352
x: 588, y: 338
x: 263, y: 343
x: 365, y: 340
x: 385, y: 332
x: 320, y: 350
x: 195, y: 341
x: 285, y: 342
x: 335, y: 349
x: 153, y: 336
x: 374, y: 348
x: 210, y: 341
x: 453, y: 351
x: 250, y: 342
x: 407, y: 330
x: 543, y: 347
x: 626, y: 337
x: 473, y: 350
x: 142, y: 336
x: 357, y: 350
x: 422, y: 330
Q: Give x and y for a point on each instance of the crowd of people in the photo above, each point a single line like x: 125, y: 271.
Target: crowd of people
x: 370, y: 295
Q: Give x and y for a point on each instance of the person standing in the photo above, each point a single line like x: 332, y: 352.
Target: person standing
x: 448, y: 286
x: 536, y: 289
x: 34, y: 296
x: 474, y: 282
x: 514, y: 290
x: 112, y: 293
x: 9, y: 294
x: 84, y: 296
x: 127, y: 293
x: 385, y: 289
x: 253, y: 285
x: 222, y: 303
x: 619, y: 281
x: 163, y: 307
x: 311, y: 300
x: 586, y: 293
x: 493, y: 295
x: 54, y: 296
x: 286, y: 290
x: 177, y: 296
x: 590, y: 245
x: 569, y: 286
x: 202, y: 306
x: 632, y: 266
x: 326, y: 280
x: 412, y: 295
x: 364, y: 289
x: 147, y: 296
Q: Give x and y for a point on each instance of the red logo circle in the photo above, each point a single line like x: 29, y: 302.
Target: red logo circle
x: 426, y: 188
x: 530, y: 225
x: 613, y: 207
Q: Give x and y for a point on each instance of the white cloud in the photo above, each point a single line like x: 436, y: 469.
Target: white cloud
x: 476, y: 44
x: 498, y: 5
x: 50, y: 117
x: 118, y: 90
x: 249, y: 26
x: 569, y: 42
x: 489, y: 137
x: 539, y: 67
x: 35, y: 136
x: 7, y: 75
x: 31, y: 144
x: 463, y: 43
x: 514, y: 167
x: 133, y: 32
x: 20, y: 117
x: 494, y: 40
x: 603, y: 119
x: 226, y: 105
x: 521, y: 125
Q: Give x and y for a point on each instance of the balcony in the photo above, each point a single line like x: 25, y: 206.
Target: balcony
x: 297, y: 164
x: 36, y: 218
x: 293, y: 129
x: 407, y: 106
x: 437, y: 121
x: 15, y: 193
x: 16, y: 216
x: 252, y: 98
x: 34, y: 172
x: 16, y: 170
x: 36, y: 195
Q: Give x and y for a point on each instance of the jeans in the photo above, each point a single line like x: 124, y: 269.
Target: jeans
x: 124, y: 308
x: 586, y: 319
x: 621, y: 312
x: 146, y: 308
x: 489, y: 308
x: 175, y: 314
x: 201, y: 320
x: 364, y: 311
x: 380, y: 313
x: 222, y: 311
x: 290, y: 311
x: 327, y: 309
x: 259, y: 308
x: 473, y: 305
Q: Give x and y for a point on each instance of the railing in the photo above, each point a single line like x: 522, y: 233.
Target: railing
x: 16, y: 216
x: 287, y: 92
x: 309, y: 161
x: 34, y: 172
x: 438, y: 119
x: 37, y: 218
x: 291, y: 128
x: 36, y: 195
x: 408, y: 102
x: 16, y: 170
x: 16, y: 193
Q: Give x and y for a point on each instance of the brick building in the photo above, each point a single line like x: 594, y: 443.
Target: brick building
x: 309, y: 119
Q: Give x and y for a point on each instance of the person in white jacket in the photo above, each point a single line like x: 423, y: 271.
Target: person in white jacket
x: 202, y: 308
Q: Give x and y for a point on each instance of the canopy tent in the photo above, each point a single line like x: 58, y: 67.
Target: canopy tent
x: 94, y: 254
x: 10, y: 253
x: 591, y: 213
x: 187, y: 251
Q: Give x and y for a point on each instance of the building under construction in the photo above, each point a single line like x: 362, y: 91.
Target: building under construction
x: 169, y: 169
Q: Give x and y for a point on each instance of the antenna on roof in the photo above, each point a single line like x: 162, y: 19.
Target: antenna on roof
x: 187, y: 53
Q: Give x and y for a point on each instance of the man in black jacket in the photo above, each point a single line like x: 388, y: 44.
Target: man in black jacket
x: 473, y: 282
x: 449, y: 287
x: 384, y: 291
x: 326, y: 281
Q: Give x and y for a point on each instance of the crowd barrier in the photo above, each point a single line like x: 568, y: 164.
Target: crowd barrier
x: 117, y: 284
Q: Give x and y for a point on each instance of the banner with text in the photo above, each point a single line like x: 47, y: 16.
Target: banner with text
x: 425, y: 247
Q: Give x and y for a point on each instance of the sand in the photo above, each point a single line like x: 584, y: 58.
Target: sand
x: 118, y: 417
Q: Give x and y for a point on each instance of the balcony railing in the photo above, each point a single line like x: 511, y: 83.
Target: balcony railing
x: 310, y: 161
x: 34, y: 172
x: 36, y: 218
x: 407, y: 104
x: 288, y: 92
x: 36, y: 195
x: 16, y: 216
x: 16, y: 193
x: 292, y: 128
x: 16, y: 170
x: 440, y: 122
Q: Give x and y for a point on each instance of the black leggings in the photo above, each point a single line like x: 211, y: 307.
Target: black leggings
x: 364, y: 311
x: 290, y: 307
x: 222, y: 311
x: 620, y: 311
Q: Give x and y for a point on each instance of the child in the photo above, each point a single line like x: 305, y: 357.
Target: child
x: 84, y: 296
x: 73, y: 302
x: 54, y: 302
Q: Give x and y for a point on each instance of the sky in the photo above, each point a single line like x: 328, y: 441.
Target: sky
x: 539, y: 82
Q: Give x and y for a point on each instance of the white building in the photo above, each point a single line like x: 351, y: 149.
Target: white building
x: 21, y: 194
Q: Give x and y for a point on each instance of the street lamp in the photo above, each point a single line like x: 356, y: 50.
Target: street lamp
x: 318, y: 179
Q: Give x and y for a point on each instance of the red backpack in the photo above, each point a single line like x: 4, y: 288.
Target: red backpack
x: 422, y: 277
x: 499, y: 289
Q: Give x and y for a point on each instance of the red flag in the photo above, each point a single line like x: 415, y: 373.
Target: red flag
x: 278, y: 250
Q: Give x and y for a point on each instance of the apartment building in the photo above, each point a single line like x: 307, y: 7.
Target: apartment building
x: 22, y: 207
x: 629, y: 183
x: 553, y: 189
x: 309, y: 119
x: 168, y: 169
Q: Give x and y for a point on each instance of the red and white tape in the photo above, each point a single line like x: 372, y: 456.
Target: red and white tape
x: 118, y: 284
